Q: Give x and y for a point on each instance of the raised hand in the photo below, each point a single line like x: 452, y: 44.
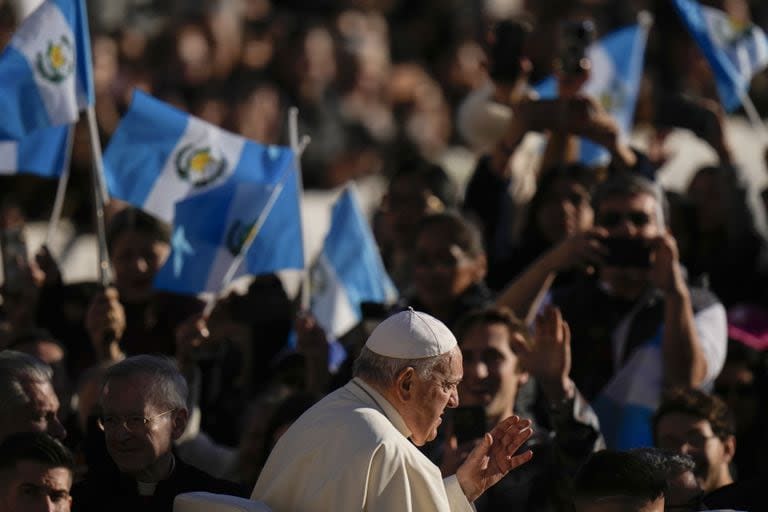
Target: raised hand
x: 494, y: 456
x: 549, y: 357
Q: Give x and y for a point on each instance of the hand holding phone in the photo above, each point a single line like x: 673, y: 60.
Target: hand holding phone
x: 627, y: 252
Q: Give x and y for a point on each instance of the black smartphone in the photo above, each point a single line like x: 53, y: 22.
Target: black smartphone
x: 627, y: 252
x: 13, y: 249
x: 576, y: 36
x: 469, y: 423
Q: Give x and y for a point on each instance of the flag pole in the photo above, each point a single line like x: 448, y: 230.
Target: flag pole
x: 754, y: 117
x: 61, y: 189
x: 100, y: 197
x: 298, y: 147
x: 254, y: 231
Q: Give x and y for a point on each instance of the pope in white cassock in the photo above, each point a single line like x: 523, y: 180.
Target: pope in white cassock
x: 356, y: 448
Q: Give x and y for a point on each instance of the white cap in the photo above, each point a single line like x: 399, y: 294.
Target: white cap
x: 411, y: 334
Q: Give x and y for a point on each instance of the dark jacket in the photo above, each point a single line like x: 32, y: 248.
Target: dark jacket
x: 117, y: 492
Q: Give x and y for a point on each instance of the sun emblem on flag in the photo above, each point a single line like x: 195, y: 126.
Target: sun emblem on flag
x: 236, y: 236
x: 200, y: 166
x: 57, y: 61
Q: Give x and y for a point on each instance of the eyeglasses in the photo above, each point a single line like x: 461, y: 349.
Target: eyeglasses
x: 130, y: 423
x: 613, y: 219
x: 694, y: 440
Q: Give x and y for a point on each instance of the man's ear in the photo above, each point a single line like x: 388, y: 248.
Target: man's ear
x: 481, y: 268
x: 522, y: 379
x: 179, y: 423
x: 405, y: 384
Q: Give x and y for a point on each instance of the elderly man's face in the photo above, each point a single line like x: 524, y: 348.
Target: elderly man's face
x: 690, y: 435
x: 431, y: 397
x: 33, y: 487
x: 40, y: 414
x: 134, y: 444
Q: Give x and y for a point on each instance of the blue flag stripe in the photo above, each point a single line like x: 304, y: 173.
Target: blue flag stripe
x: 159, y: 127
x: 20, y: 102
x: 43, y: 152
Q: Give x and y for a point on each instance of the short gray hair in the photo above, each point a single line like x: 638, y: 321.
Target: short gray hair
x: 629, y: 184
x: 168, y: 386
x: 17, y: 368
x: 383, y: 370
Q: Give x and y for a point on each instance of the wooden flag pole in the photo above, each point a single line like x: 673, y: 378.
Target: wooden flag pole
x: 61, y: 189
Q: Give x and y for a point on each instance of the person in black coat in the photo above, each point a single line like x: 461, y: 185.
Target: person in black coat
x: 144, y: 409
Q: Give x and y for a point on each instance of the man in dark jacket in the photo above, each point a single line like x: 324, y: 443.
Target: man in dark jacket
x: 143, y: 411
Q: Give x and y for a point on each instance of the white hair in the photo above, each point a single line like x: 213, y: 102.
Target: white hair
x: 383, y: 370
x: 16, y: 369
x: 167, y: 388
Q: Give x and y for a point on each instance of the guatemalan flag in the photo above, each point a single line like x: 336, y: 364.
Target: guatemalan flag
x: 159, y: 155
x: 43, y: 152
x: 211, y: 229
x: 45, y: 71
x: 349, y: 270
x: 617, y: 67
x: 735, y: 53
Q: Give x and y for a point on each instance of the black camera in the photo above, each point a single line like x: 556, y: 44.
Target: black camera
x: 627, y: 252
x: 576, y: 36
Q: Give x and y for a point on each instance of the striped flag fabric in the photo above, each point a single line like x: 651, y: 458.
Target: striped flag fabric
x: 45, y: 71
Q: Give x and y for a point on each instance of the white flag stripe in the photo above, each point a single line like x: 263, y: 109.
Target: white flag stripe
x: 8, y: 157
x: 330, y: 303
x: 45, y: 29
x: 170, y: 187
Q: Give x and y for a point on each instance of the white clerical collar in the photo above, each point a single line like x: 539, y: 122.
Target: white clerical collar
x: 387, y: 408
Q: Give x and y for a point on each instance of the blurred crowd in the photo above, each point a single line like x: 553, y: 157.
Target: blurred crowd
x: 510, y: 245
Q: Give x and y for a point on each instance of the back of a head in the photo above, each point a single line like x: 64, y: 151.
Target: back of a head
x: 431, y: 177
x: 166, y: 386
x: 16, y: 368
x: 36, y: 447
x: 626, y: 480
x: 506, y: 44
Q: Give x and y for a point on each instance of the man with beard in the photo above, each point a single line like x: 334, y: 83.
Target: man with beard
x: 691, y: 422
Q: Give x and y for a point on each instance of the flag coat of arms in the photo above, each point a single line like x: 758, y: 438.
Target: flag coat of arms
x: 211, y: 229
x: 735, y: 53
x: 349, y: 270
x: 159, y: 155
x: 43, y: 152
x: 45, y: 71
x: 617, y: 67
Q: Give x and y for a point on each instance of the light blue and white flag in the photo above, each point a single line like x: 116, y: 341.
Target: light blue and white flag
x: 627, y: 403
x: 349, y: 270
x: 42, y: 152
x: 734, y: 52
x: 45, y: 71
x: 617, y: 67
x: 159, y: 155
x: 210, y: 230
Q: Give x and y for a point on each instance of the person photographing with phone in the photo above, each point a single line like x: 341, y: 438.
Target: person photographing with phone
x: 636, y: 325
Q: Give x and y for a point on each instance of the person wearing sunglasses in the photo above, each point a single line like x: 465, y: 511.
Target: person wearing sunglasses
x: 636, y: 326
x: 143, y: 411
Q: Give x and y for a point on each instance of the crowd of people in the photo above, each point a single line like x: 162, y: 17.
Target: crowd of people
x: 607, y: 333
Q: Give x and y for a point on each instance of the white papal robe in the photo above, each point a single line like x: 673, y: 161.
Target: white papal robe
x: 351, y: 452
